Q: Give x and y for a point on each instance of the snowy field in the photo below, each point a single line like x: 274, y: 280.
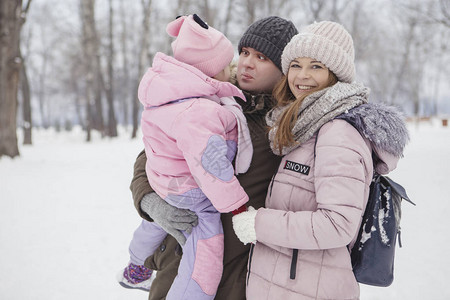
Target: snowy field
x: 66, y: 218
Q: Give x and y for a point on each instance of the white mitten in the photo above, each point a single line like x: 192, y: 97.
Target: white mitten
x: 244, y: 226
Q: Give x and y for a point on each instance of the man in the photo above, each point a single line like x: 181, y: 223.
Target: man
x: 258, y: 71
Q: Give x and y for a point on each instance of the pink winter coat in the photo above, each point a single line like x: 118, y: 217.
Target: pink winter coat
x: 314, y: 205
x: 188, y: 138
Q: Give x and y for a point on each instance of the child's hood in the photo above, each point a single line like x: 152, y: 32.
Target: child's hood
x: 169, y: 80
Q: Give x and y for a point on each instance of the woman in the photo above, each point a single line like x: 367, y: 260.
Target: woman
x: 327, y: 132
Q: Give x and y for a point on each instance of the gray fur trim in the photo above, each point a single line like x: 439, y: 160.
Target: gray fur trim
x: 381, y: 124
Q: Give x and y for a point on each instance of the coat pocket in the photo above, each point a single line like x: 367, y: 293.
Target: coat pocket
x: 294, y: 181
x: 286, y: 191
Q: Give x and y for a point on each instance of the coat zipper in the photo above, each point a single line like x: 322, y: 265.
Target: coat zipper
x: 294, y: 264
x: 250, y: 261
x: 271, y: 185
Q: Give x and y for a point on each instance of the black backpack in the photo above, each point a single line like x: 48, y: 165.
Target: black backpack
x: 373, y: 253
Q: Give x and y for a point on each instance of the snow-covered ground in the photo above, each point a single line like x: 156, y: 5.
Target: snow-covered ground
x: 66, y: 218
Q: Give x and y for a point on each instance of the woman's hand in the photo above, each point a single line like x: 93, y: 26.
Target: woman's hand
x: 244, y: 226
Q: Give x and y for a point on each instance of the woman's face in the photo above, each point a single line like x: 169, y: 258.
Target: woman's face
x: 307, y: 75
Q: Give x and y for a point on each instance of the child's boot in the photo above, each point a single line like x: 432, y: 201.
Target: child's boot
x: 136, y: 277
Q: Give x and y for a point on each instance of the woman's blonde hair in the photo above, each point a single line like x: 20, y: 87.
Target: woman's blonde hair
x: 284, y: 96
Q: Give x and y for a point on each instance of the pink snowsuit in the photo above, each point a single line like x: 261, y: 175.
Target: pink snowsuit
x: 190, y: 142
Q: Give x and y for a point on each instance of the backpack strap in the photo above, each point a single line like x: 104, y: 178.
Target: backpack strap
x: 315, y: 142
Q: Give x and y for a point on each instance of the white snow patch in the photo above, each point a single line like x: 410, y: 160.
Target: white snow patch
x: 365, y: 236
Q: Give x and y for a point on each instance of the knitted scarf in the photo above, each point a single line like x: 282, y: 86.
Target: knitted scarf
x: 317, y: 109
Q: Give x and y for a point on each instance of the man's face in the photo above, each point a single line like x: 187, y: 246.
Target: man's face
x: 256, y: 72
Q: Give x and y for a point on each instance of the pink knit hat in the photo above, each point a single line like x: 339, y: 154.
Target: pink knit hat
x: 200, y: 45
x: 328, y: 42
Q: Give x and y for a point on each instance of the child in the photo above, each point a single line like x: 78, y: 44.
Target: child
x: 192, y: 130
x: 326, y: 132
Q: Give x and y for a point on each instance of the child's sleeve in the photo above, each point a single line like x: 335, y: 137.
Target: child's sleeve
x: 201, y: 134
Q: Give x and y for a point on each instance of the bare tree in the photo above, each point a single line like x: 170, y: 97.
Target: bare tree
x: 385, y: 43
x: 251, y: 11
x: 434, y: 11
x: 273, y: 7
x: 142, y: 59
x: 441, y: 50
x: 77, y: 94
x: 126, y: 69
x: 445, y: 10
x: 406, y: 56
x: 316, y: 7
x: 228, y: 17
x: 182, y: 6
x: 93, y: 75
x: 337, y: 9
x: 42, y: 78
x: 26, y: 104
x: 12, y: 18
x: 330, y: 10
x: 206, y: 13
x: 75, y: 83
x: 24, y: 88
x: 112, y: 123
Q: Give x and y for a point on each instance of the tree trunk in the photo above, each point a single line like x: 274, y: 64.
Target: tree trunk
x: 88, y: 112
x: 206, y: 14
x: 98, y: 85
x: 88, y: 53
x: 336, y: 11
x: 445, y: 10
x: 126, y: 70
x: 26, y: 105
x: 12, y: 17
x: 112, y: 124
x: 77, y: 100
x: 143, y: 55
x: 45, y: 120
x: 228, y: 17
x: 412, y: 23
x: 316, y: 7
x: 182, y: 7
x: 251, y: 10
x: 93, y: 76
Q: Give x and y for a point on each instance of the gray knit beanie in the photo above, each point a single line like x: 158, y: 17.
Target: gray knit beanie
x: 329, y: 43
x: 268, y: 36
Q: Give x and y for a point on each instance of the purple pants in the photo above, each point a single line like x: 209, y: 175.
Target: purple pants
x: 201, y: 266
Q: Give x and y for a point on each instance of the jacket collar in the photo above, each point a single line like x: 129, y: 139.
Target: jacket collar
x: 257, y: 103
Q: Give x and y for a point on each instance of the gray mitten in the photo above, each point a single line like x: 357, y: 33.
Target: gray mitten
x: 172, y: 219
